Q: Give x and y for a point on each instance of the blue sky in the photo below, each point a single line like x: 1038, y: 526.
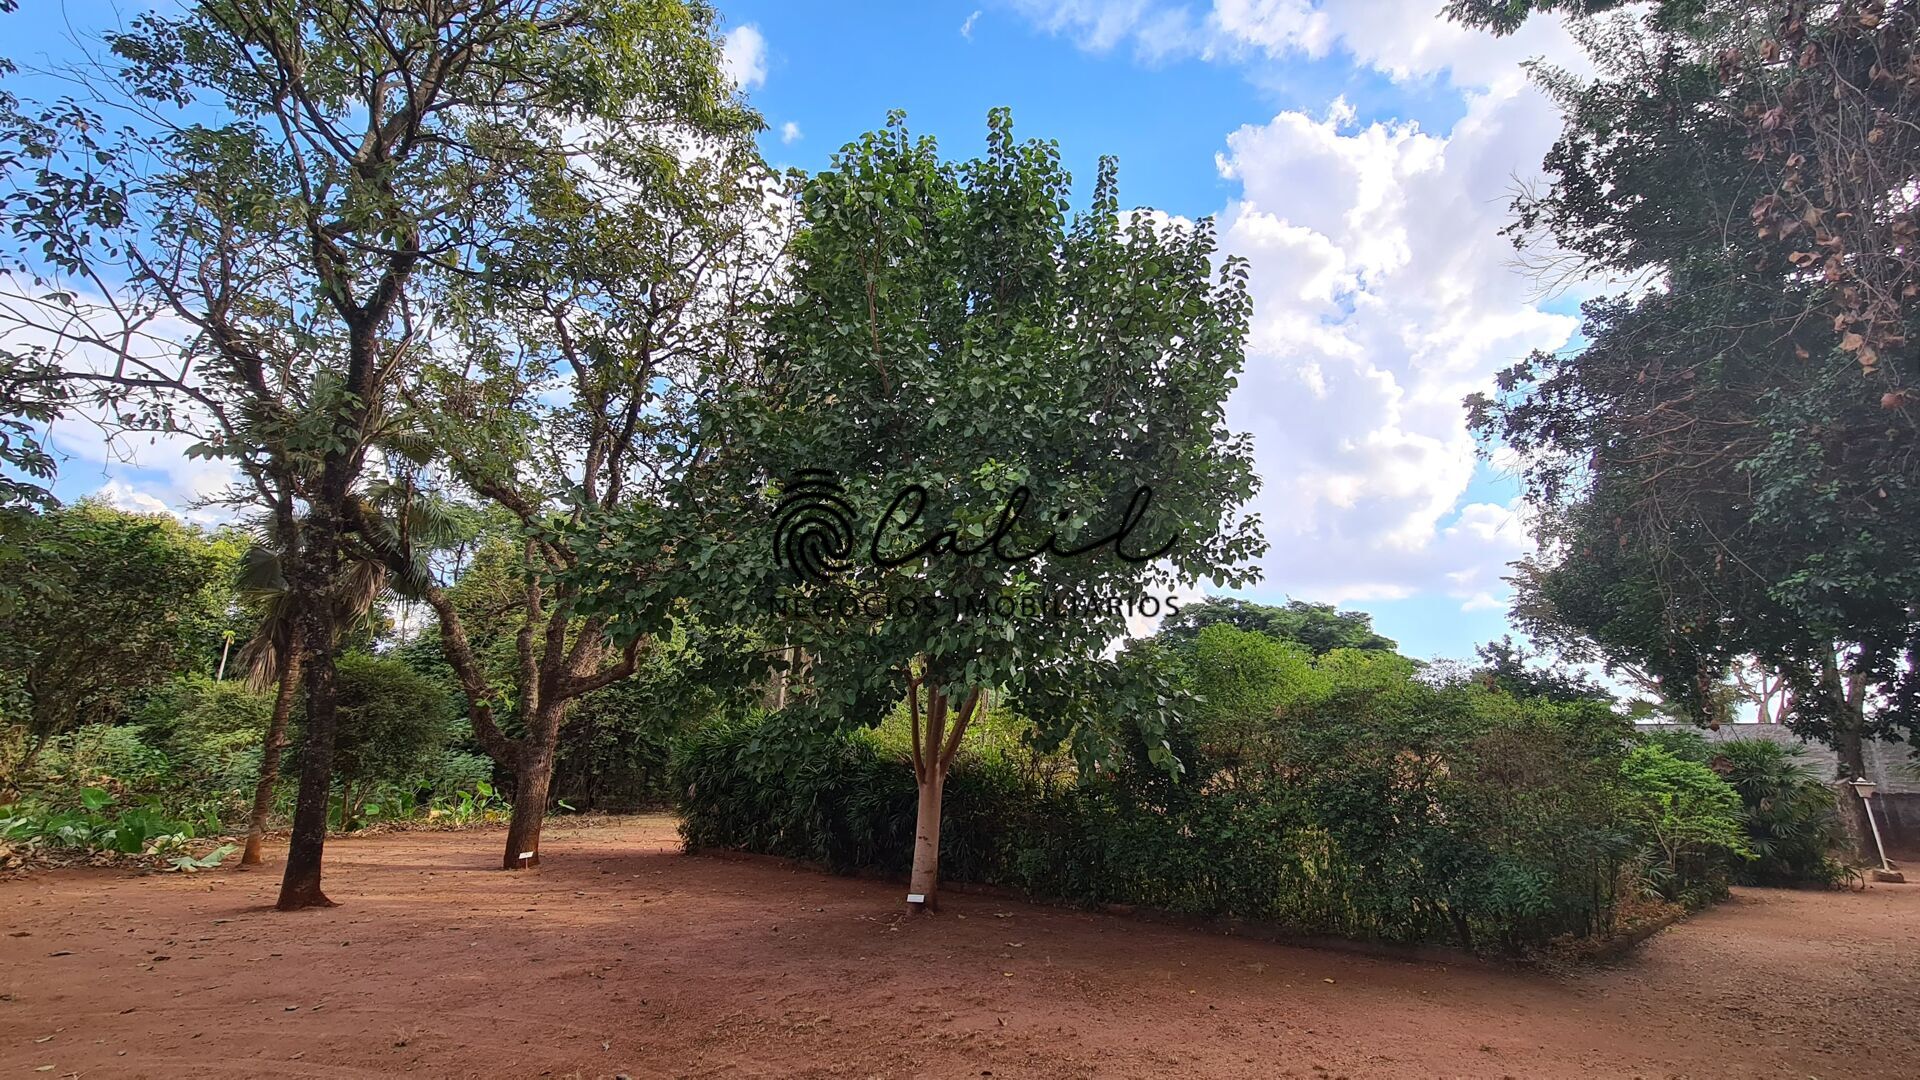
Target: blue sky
x: 1360, y: 154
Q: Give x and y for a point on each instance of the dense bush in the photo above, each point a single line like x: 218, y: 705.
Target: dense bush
x: 189, y: 764
x: 616, y: 747
x: 1380, y: 808
x: 98, y: 754
x: 210, y: 733
x: 1793, y: 826
x: 1791, y: 821
x: 99, y: 824
x: 115, y: 605
x: 395, y: 724
x: 1690, y: 820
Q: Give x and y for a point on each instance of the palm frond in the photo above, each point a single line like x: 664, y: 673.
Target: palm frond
x: 361, y: 588
x: 260, y: 575
x: 261, y: 656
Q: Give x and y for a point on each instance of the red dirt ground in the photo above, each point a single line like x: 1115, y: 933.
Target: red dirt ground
x: 622, y: 957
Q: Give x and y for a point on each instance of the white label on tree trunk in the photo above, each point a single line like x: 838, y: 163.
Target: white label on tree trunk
x: 916, y: 898
x: 526, y: 854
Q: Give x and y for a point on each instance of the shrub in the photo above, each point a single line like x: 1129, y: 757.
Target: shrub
x: 212, y: 732
x: 394, y: 724
x: 1792, y: 824
x: 1247, y: 681
x: 1348, y: 794
x: 100, y: 754
x: 1410, y: 814
x: 616, y: 747
x: 1689, y: 819
x: 117, y: 603
x: 451, y: 771
x: 137, y: 762
x: 1679, y: 742
x: 97, y: 824
x: 774, y: 788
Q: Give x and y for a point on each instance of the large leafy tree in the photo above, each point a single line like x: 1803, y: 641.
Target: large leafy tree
x: 1722, y: 480
x: 959, y: 357
x: 1248, y: 686
x: 1825, y: 96
x: 300, y: 180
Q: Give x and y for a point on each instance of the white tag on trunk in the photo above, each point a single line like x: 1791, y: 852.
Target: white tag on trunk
x: 916, y: 898
x: 526, y: 855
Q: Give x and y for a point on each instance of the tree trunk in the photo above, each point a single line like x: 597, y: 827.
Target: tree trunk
x: 1848, y: 726
x: 300, y: 887
x: 924, y: 884
x: 1851, y: 752
x: 290, y: 667
x: 533, y: 774
x: 1853, y: 764
x: 934, y: 747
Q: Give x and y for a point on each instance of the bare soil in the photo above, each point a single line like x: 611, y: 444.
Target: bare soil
x: 621, y: 956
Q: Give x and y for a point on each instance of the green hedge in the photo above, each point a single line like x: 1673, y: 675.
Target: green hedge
x: 1468, y: 820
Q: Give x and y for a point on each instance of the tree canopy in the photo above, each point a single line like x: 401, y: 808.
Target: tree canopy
x: 1321, y: 628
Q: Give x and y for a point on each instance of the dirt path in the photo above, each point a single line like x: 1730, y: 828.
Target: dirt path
x: 622, y: 957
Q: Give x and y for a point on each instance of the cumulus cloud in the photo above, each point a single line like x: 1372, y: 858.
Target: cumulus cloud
x: 1383, y: 295
x: 124, y: 496
x: 790, y: 133
x: 966, y: 28
x: 148, y: 472
x: 743, y: 56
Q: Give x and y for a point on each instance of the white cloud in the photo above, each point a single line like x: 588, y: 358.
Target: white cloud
x: 1406, y: 39
x: 790, y: 133
x: 139, y: 470
x: 124, y: 496
x: 966, y: 28
x: 145, y: 471
x: 1383, y: 295
x: 744, y: 56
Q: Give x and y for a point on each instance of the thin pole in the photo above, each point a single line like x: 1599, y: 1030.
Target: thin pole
x: 224, y: 650
x: 1875, y: 826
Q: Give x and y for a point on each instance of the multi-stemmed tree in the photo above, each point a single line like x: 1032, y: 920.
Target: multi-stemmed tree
x: 568, y: 393
x: 292, y: 184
